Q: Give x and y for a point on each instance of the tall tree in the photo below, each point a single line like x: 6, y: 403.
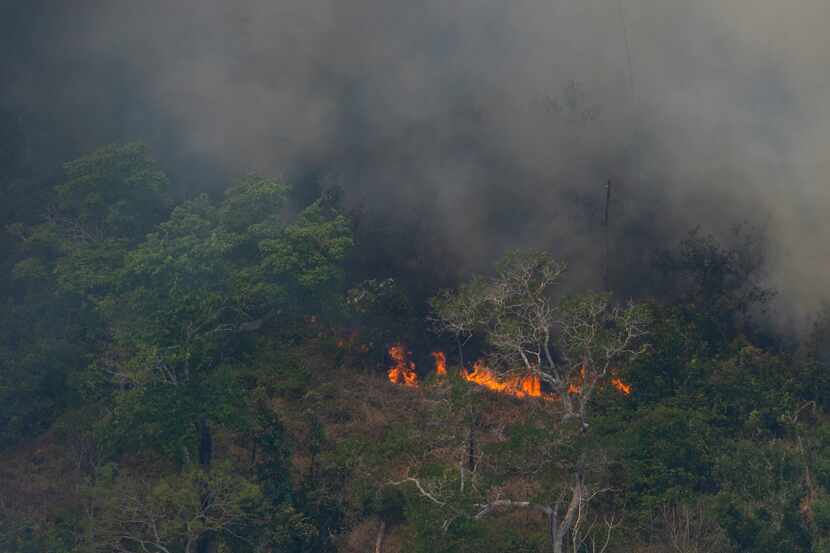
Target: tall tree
x: 190, y: 292
x: 63, y: 263
x: 572, y: 345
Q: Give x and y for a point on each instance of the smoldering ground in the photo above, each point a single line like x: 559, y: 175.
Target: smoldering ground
x: 463, y: 128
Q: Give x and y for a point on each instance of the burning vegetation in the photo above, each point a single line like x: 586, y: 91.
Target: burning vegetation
x: 621, y: 386
x: 440, y: 362
x: 403, y: 372
x: 228, y: 422
x: 517, y: 386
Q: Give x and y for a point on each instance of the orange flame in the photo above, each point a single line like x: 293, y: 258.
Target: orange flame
x: 518, y: 386
x: 621, y: 386
x: 404, y: 370
x: 575, y: 387
x: 440, y: 363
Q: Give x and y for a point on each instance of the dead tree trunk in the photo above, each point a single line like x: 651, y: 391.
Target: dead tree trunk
x: 553, y: 525
x: 380, y: 536
x: 559, y: 532
x: 558, y: 527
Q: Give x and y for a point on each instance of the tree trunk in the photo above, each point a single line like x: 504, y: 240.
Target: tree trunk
x: 380, y: 536
x: 557, y: 530
x: 560, y: 531
x: 553, y: 524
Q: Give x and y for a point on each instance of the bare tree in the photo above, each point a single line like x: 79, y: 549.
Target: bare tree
x: 458, y: 313
x: 569, y: 518
x: 444, y: 437
x: 572, y: 345
x: 687, y: 529
x: 596, y: 336
x: 593, y: 534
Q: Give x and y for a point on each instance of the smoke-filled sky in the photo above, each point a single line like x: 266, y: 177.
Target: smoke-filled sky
x: 475, y: 124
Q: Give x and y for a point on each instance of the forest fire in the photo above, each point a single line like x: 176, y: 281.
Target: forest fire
x: 440, y: 362
x: 527, y: 386
x: 403, y: 372
x: 621, y: 386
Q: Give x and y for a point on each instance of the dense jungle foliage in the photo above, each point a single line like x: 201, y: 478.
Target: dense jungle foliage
x: 210, y: 374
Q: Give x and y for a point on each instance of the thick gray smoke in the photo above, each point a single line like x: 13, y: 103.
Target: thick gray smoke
x: 461, y: 120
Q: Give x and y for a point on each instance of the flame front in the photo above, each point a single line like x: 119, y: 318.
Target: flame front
x: 404, y: 370
x: 621, y: 386
x: 440, y: 363
x: 518, y: 386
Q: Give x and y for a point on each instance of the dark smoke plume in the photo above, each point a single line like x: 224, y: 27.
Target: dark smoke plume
x: 468, y: 126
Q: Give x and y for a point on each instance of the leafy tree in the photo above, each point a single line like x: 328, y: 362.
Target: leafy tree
x: 106, y: 202
x: 172, y: 513
x: 718, y: 286
x: 571, y: 344
x: 189, y: 293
